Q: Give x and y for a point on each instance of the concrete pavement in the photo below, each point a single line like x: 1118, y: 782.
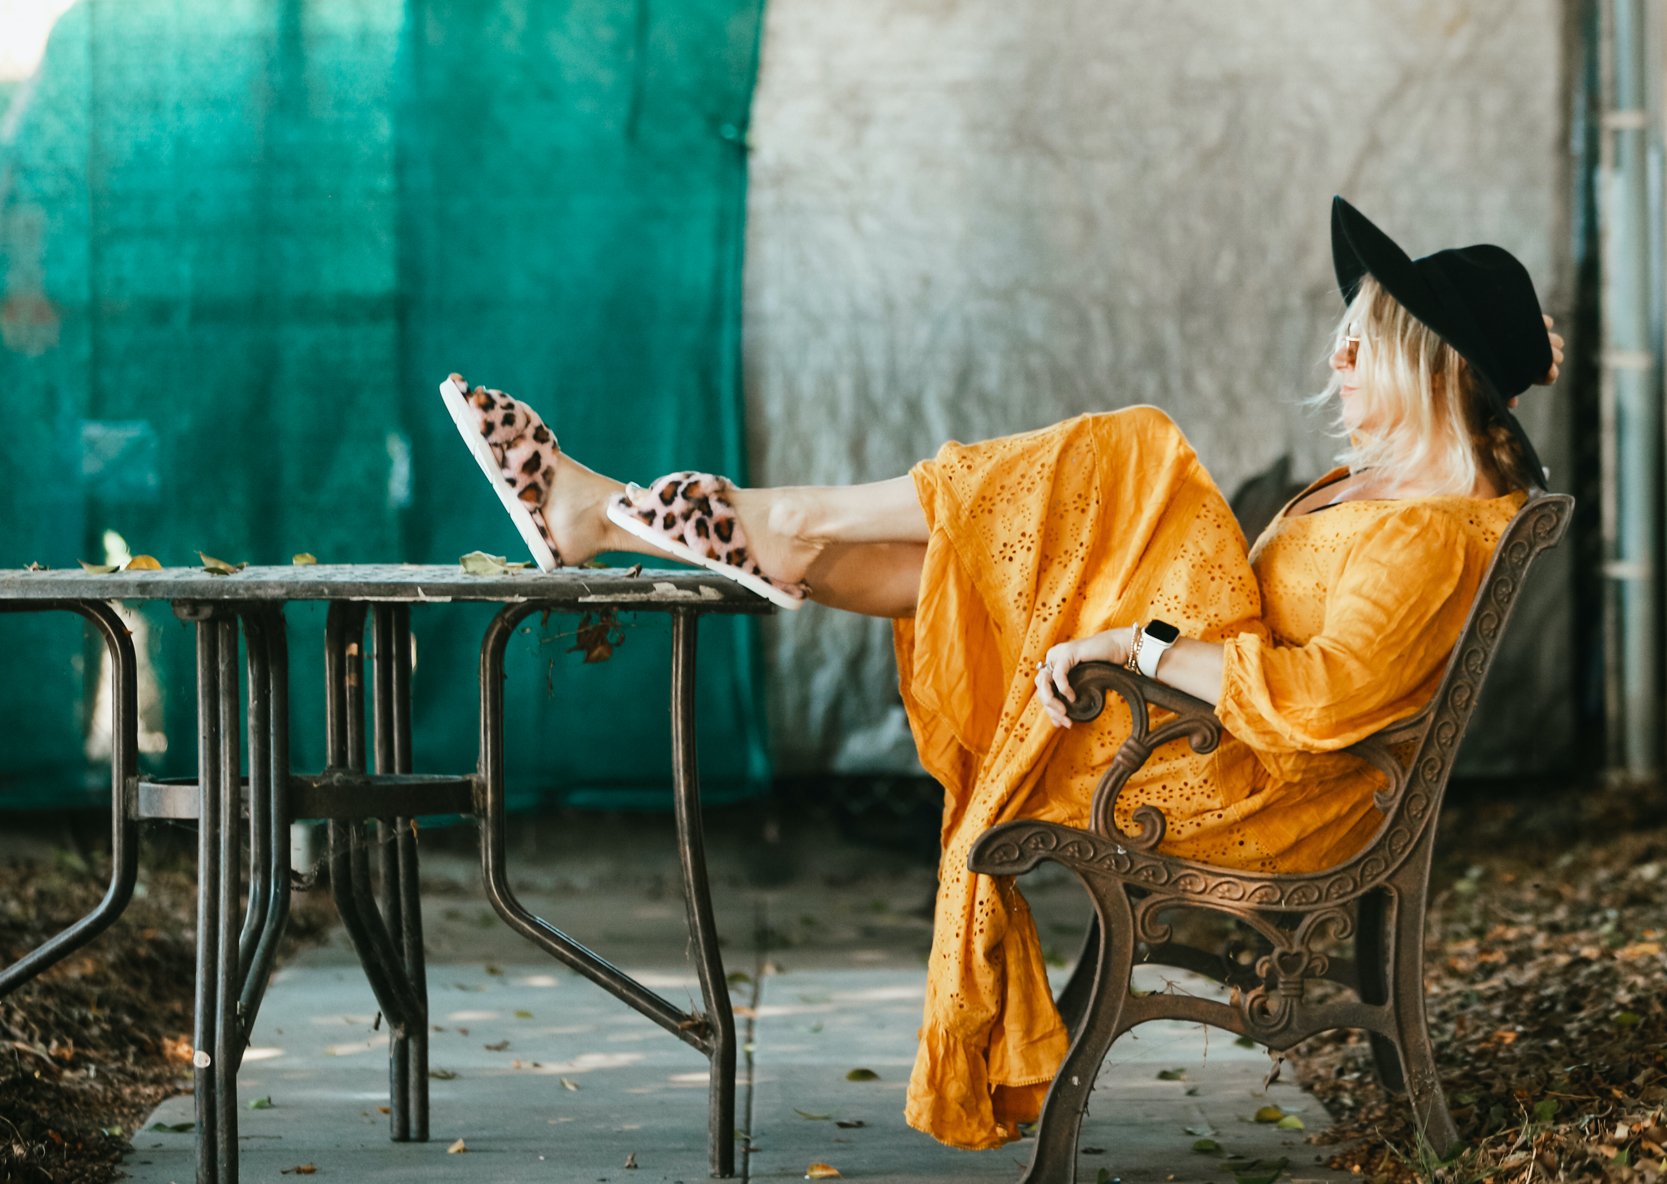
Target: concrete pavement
x: 544, y: 1077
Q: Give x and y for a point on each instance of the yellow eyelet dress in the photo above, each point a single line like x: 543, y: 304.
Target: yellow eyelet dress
x: 1335, y: 625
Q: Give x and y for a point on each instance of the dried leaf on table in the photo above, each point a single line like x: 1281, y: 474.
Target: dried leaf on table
x: 219, y: 567
x: 822, y: 1171
x: 98, y: 569
x: 479, y: 563
x: 304, y: 559
x: 143, y: 563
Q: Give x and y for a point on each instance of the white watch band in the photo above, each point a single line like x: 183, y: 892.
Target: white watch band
x: 1150, y: 651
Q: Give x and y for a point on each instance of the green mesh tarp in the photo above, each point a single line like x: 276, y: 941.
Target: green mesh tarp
x: 241, y: 242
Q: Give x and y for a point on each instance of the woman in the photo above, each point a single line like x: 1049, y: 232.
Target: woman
x: 1006, y: 563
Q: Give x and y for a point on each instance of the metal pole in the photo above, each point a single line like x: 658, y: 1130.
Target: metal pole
x: 1631, y: 390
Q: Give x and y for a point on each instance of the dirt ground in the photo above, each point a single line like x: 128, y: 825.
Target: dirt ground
x: 1546, y: 972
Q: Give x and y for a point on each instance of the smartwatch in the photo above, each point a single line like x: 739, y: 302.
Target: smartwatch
x: 1155, y: 638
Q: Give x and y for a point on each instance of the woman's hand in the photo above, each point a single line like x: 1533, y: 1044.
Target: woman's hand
x: 1053, y: 685
x: 1556, y: 352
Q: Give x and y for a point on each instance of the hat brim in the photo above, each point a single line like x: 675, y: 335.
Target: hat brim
x: 1359, y: 248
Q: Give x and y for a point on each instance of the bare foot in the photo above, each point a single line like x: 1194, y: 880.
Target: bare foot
x: 575, y: 510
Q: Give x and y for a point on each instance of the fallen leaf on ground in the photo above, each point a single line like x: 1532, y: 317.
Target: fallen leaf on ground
x: 862, y: 1075
x: 1291, y: 1122
x: 1261, y: 1171
x: 304, y: 559
x: 849, y: 1124
x: 176, y: 1128
x: 261, y: 1104
x: 522, y: 1013
x: 569, y: 1083
x: 98, y: 569
x: 1172, y: 1074
x: 300, y: 1169
x: 822, y: 1171
x: 1207, y: 1147
x: 811, y: 1117
x: 457, y: 1148
x: 631, y: 1159
x: 499, y: 1046
x: 442, y: 1074
x: 1268, y: 1114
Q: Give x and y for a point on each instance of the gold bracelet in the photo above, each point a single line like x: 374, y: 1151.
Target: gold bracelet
x: 1137, y: 637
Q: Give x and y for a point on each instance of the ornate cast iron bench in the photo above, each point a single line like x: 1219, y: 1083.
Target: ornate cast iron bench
x: 1376, y: 899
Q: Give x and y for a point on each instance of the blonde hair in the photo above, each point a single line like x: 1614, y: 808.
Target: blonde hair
x: 1421, y: 398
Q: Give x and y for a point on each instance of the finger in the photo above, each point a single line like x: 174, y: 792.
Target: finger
x: 1059, y: 665
x: 1512, y: 402
x: 1051, y: 707
x: 1548, y: 319
x: 1044, y: 692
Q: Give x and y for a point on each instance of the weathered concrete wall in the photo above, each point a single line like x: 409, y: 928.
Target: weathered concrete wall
x: 971, y: 217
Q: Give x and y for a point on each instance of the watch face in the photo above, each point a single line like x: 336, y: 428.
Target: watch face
x: 1162, y: 631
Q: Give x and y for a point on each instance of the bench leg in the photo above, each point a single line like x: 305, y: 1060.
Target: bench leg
x: 1055, y: 1158
x: 1412, y: 1030
x: 1371, y: 958
x: 1074, y: 996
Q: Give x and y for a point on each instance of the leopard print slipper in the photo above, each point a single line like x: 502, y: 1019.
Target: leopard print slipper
x: 687, y: 515
x: 516, y: 450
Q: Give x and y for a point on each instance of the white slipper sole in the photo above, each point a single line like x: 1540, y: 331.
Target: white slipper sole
x: 625, y: 521
x: 457, y: 403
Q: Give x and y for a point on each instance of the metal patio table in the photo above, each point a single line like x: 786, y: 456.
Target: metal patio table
x: 235, y: 955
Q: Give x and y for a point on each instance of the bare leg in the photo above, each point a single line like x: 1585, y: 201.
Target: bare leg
x: 790, y: 528
x: 879, y: 579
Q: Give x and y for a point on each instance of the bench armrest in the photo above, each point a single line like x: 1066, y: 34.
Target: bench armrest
x: 1196, y: 722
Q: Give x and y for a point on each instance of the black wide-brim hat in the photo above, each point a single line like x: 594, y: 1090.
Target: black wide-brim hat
x: 1478, y: 299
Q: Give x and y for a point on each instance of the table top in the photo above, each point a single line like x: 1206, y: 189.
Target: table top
x: 646, y: 589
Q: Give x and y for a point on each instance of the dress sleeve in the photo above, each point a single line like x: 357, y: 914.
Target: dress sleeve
x: 1390, y: 623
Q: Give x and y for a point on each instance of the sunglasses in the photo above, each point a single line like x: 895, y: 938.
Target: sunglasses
x: 1351, y: 346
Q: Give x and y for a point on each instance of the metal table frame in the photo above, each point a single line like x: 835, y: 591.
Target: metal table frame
x: 235, y: 957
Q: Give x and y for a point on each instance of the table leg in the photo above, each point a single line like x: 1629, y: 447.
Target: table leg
x: 269, y: 813
x: 124, y: 773
x: 349, y: 861
x: 227, y: 1028
x: 401, y: 903
x: 712, y: 1033
x: 216, y: 1098
x: 697, y: 894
